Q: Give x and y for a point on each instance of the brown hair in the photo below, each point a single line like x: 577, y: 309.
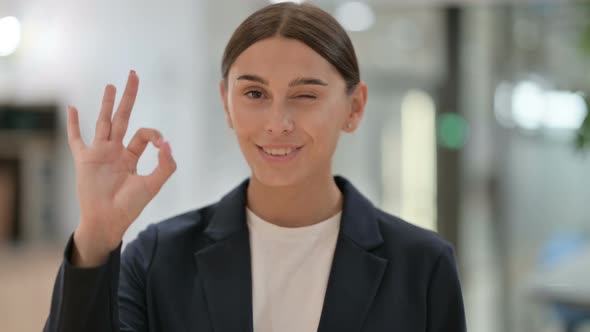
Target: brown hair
x: 304, y: 22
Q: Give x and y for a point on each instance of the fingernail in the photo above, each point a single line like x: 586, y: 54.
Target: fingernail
x: 133, y: 72
x: 159, y: 141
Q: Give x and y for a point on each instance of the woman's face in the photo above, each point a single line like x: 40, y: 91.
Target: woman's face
x: 287, y: 106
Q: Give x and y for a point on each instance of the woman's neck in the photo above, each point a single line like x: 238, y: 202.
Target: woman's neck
x: 303, y: 204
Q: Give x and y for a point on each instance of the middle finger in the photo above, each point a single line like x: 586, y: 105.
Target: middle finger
x: 121, y: 119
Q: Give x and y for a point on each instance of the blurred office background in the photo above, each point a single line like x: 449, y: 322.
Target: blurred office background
x: 474, y: 128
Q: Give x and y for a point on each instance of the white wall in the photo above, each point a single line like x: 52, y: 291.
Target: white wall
x: 71, y: 50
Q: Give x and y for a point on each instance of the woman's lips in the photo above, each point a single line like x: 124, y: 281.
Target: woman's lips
x: 279, y: 158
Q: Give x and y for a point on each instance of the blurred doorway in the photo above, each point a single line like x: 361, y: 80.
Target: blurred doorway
x: 9, y: 202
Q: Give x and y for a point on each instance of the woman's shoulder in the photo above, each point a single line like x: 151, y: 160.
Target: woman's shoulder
x: 399, y: 234
x: 189, y: 223
x: 178, y: 231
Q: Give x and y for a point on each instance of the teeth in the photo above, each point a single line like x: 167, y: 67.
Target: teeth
x: 278, y: 152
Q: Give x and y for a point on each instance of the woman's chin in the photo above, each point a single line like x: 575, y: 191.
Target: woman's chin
x: 277, y: 179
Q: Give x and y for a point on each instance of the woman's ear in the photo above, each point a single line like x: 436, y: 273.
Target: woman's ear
x: 223, y: 91
x: 358, y: 100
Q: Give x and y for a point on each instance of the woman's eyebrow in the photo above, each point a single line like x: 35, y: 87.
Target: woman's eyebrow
x: 307, y: 81
x: 295, y: 82
x: 254, y: 78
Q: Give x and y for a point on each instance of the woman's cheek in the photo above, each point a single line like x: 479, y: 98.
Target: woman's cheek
x: 240, y: 116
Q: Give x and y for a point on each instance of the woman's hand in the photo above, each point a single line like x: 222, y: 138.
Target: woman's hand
x: 110, y: 192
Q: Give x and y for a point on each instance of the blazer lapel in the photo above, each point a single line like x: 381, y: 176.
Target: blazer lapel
x: 224, y: 266
x: 356, y: 272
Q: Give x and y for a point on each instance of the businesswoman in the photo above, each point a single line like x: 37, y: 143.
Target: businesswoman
x: 291, y: 248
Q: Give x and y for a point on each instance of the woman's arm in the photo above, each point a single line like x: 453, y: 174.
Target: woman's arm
x: 106, y: 298
x: 111, y: 196
x: 445, y: 299
x: 82, y: 297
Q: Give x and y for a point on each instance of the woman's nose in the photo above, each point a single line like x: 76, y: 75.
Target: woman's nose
x: 279, y: 120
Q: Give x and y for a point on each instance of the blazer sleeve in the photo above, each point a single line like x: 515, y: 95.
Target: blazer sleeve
x: 445, y: 300
x: 109, y: 297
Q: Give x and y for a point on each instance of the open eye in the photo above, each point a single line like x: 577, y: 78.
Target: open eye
x: 254, y: 94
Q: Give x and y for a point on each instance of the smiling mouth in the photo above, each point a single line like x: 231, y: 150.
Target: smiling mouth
x: 279, y: 152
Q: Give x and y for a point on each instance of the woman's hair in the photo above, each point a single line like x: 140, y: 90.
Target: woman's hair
x: 304, y: 22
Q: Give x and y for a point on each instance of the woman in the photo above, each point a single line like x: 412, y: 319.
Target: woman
x: 292, y: 248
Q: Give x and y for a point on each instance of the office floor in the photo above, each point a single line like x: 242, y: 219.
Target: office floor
x: 26, y: 278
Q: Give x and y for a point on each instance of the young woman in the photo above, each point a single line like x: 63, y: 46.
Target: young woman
x: 292, y: 248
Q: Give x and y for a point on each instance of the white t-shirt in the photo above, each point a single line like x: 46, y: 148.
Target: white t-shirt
x: 290, y: 270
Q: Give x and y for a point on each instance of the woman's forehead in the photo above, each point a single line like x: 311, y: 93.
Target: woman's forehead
x: 281, y: 59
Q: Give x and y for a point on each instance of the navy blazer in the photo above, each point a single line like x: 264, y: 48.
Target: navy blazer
x: 192, y: 272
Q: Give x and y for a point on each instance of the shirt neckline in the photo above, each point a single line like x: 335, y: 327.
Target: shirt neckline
x: 259, y: 225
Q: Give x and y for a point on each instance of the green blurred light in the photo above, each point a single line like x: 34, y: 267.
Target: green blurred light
x: 452, y: 131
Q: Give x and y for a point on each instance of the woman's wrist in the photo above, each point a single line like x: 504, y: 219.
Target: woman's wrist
x: 89, y: 250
